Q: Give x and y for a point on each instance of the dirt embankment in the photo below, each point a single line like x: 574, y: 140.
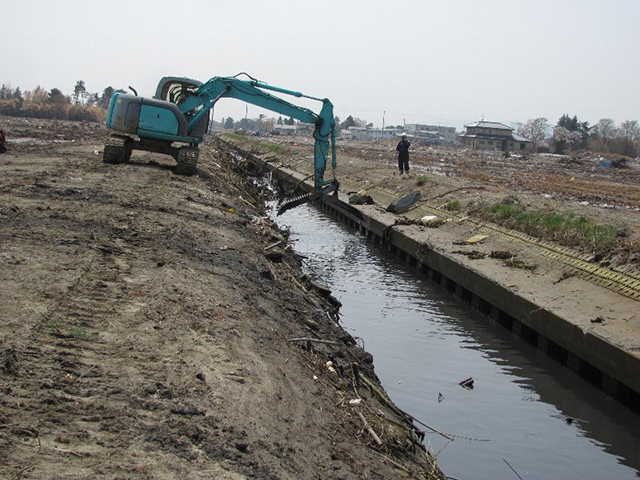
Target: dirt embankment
x: 146, y: 330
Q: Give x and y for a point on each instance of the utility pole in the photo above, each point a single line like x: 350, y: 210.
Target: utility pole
x: 383, y: 114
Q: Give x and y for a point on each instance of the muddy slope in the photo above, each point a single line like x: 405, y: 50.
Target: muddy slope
x: 144, y: 333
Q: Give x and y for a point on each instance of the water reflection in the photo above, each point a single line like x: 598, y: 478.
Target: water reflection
x: 541, y: 418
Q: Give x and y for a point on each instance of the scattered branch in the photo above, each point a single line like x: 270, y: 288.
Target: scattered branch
x: 317, y: 340
x: 369, y: 429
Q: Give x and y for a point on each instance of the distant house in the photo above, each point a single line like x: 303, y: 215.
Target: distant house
x: 305, y: 128
x: 433, y: 133
x: 431, y: 136
x: 346, y: 134
x: 284, y: 129
x: 485, y: 135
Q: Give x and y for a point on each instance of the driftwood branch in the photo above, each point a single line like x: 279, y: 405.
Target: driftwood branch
x: 392, y: 462
x: 369, y: 429
x: 317, y: 340
x: 273, y: 245
x: 70, y: 452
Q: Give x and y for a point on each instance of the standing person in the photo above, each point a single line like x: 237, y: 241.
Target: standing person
x: 3, y: 142
x: 403, y: 155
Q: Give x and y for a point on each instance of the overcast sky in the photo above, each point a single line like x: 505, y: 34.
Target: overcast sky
x: 446, y: 62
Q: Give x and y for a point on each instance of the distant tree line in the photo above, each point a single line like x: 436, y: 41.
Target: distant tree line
x: 54, y: 104
x: 262, y: 124
x: 266, y: 125
x: 571, y: 134
x: 85, y: 105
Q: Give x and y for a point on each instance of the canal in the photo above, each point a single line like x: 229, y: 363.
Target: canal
x: 525, y: 416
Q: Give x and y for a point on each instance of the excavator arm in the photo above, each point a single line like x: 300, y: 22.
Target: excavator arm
x: 254, y: 92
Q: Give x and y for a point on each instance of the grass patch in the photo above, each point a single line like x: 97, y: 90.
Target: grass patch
x: 421, y: 180
x: 256, y: 144
x: 272, y: 147
x: 453, y: 205
x: 68, y: 330
x: 235, y: 136
x: 566, y: 228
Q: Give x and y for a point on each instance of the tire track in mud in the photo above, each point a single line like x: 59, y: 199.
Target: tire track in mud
x: 72, y: 361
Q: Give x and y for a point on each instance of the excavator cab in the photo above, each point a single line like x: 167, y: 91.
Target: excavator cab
x: 177, y: 90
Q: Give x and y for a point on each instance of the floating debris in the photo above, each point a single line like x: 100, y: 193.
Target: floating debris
x: 467, y: 383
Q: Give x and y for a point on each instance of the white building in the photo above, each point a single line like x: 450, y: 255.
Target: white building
x: 434, y: 133
x: 360, y: 133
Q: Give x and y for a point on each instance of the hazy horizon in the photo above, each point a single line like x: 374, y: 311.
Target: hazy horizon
x: 426, y: 62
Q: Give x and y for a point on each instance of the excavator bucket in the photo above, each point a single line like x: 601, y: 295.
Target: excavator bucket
x: 297, y: 201
x: 308, y: 197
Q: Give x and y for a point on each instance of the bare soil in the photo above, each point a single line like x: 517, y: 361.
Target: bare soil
x: 147, y: 332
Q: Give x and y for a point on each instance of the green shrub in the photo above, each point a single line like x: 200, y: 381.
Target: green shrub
x: 453, y: 205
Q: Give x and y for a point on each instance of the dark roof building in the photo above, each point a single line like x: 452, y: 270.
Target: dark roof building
x: 485, y: 135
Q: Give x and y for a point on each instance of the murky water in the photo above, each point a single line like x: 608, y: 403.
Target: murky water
x: 525, y: 411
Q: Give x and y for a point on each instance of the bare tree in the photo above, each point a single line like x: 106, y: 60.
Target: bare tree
x: 537, y: 129
x: 606, y: 129
x: 359, y: 122
x: 37, y: 95
x: 518, y: 128
x: 630, y: 131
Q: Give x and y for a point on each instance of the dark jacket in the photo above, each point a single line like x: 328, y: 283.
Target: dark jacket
x: 403, y: 149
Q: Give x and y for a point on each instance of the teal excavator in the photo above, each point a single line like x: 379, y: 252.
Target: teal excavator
x: 178, y: 114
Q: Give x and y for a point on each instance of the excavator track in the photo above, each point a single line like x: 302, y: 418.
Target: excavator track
x: 116, y: 150
x: 187, y: 161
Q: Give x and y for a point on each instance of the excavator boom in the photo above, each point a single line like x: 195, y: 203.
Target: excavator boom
x: 253, y: 91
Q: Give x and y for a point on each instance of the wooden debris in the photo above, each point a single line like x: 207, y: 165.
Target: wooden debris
x: 316, y: 340
x: 467, y: 383
x: 369, y: 429
x: 475, y: 239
